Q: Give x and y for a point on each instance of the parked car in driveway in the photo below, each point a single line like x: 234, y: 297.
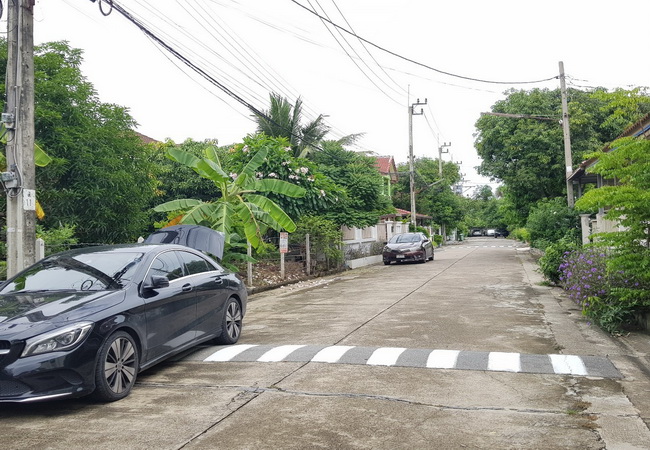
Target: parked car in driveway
x: 408, y: 247
x: 89, y: 320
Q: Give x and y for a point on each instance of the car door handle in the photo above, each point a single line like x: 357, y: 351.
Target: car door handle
x: 187, y: 287
x: 218, y: 280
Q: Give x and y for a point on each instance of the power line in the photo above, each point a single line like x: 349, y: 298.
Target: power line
x: 197, y: 69
x: 416, y: 62
x: 352, y: 59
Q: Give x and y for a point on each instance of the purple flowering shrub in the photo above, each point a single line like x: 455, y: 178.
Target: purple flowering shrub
x: 583, y: 274
x: 585, y: 277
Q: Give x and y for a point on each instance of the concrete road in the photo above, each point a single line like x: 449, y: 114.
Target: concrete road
x: 467, y: 351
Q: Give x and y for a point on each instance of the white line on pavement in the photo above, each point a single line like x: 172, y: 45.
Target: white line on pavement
x: 226, y: 354
x: 279, y: 353
x: 331, y: 354
x: 385, y: 356
x: 442, y: 359
x: 568, y: 364
x: 504, y: 362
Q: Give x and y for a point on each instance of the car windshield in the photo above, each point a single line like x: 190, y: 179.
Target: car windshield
x: 82, y: 272
x: 405, y: 238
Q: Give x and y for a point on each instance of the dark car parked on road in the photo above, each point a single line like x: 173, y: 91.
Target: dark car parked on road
x: 408, y: 247
x: 89, y: 320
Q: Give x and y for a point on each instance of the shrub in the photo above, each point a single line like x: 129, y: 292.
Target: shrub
x: 57, y: 239
x: 417, y: 228
x: 551, y: 220
x: 550, y: 262
x: 521, y: 234
x: 609, y: 297
x: 438, y: 239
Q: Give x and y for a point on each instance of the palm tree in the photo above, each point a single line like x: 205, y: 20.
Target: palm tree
x: 283, y: 120
x: 240, y: 205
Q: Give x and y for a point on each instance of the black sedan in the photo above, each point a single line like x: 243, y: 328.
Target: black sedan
x: 89, y: 320
x: 408, y: 247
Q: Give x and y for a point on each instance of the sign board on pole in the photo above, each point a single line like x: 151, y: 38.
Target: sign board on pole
x: 284, y: 242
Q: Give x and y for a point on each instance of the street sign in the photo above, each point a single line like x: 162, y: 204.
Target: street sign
x: 284, y: 242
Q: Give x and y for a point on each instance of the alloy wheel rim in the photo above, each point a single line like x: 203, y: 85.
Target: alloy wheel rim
x: 119, y: 368
x: 233, y: 320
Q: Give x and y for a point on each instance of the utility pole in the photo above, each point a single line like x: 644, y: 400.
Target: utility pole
x: 411, y: 110
x: 440, y: 152
x: 568, y: 160
x: 19, y: 179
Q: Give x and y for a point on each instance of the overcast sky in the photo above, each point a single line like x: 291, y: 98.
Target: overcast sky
x: 253, y: 47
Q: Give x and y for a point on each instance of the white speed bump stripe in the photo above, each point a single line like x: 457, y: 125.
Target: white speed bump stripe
x: 504, y: 362
x: 385, y: 356
x: 595, y: 366
x: 228, y: 353
x: 442, y: 359
x: 568, y: 364
x: 331, y: 354
x: 277, y: 354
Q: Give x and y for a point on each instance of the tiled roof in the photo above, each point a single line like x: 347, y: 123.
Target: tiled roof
x: 385, y: 164
x: 403, y: 213
x: 145, y: 139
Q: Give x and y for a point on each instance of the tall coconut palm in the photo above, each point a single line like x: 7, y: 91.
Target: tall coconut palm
x: 283, y: 120
x: 241, y: 204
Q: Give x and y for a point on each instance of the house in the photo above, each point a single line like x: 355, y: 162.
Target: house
x: 581, y: 177
x: 387, y: 168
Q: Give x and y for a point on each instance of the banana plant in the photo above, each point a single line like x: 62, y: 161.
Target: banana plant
x: 241, y: 204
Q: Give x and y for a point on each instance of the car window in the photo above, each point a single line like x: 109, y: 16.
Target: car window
x: 83, y: 272
x: 404, y: 238
x: 194, y: 263
x: 166, y: 265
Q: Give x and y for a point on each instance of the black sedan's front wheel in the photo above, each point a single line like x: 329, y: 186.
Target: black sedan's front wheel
x: 232, y: 323
x: 117, y: 367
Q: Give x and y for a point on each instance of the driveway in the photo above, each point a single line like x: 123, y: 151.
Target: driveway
x: 467, y: 351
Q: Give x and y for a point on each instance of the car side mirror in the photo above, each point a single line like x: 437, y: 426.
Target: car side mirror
x: 157, y: 282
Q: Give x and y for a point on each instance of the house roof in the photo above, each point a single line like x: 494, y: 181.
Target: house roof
x: 405, y: 213
x: 145, y: 139
x: 639, y: 128
x: 385, y: 164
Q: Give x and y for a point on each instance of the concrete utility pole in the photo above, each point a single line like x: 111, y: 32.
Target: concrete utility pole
x: 440, y: 152
x: 18, y: 119
x: 568, y: 159
x: 411, y: 164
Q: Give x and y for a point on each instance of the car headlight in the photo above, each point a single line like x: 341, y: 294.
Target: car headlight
x: 57, y: 340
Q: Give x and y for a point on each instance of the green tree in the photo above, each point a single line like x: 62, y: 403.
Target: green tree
x: 284, y: 120
x: 433, y: 195
x: 178, y: 181
x: 628, y: 204
x: 528, y: 154
x: 321, y: 193
x: 239, y: 204
x: 362, y: 202
x: 551, y: 220
x: 101, y: 178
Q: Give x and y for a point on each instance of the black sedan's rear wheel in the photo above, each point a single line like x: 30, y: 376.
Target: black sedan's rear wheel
x: 232, y: 323
x: 117, y: 367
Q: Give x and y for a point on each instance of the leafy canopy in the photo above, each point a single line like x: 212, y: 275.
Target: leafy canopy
x: 240, y: 203
x: 101, y: 178
x: 629, y: 205
x: 528, y: 154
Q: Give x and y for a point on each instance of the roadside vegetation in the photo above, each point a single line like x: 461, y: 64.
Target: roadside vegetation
x: 104, y: 184
x: 608, y: 277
